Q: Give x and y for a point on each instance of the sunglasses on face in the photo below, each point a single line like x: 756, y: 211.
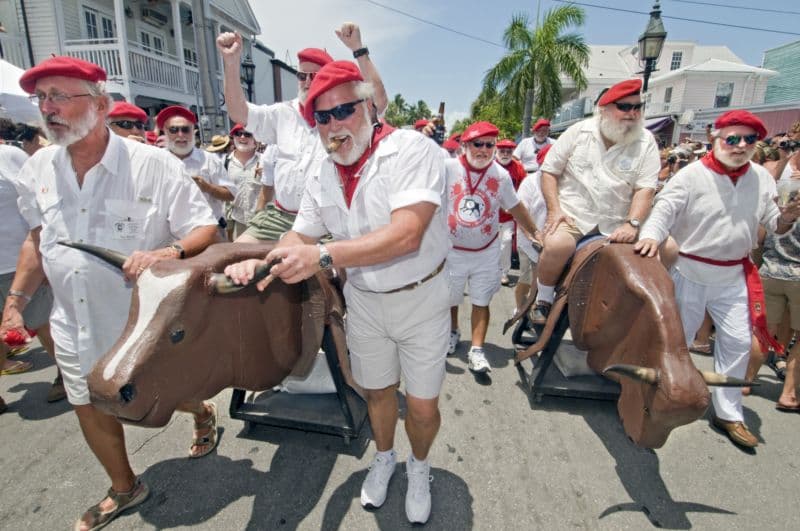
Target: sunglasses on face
x: 734, y: 140
x: 244, y: 134
x: 302, y: 76
x: 505, y: 151
x: 340, y: 112
x: 628, y: 107
x: 479, y: 145
x: 174, y: 130
x: 129, y: 124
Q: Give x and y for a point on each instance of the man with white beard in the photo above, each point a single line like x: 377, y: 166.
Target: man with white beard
x: 598, y: 178
x: 505, y: 157
x: 245, y: 172
x: 713, y: 208
x: 95, y: 187
x: 478, y: 188
x: 206, y: 169
x: 380, y: 195
x: 299, y: 148
x: 528, y: 147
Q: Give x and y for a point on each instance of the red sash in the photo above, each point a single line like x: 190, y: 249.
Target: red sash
x: 456, y: 247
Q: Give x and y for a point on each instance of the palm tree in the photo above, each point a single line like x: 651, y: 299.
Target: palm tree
x: 528, y: 77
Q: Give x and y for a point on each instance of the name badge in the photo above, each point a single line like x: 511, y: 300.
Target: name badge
x: 128, y: 229
x: 625, y: 164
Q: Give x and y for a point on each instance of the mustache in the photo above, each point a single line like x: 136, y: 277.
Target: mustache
x: 54, y: 119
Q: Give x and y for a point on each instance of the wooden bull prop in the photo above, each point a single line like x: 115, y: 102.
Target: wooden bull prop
x: 192, y: 333
x: 622, y: 310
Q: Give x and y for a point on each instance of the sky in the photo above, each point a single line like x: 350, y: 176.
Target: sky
x: 425, y: 62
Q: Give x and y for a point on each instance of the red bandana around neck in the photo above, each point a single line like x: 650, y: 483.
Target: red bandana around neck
x: 711, y: 162
x: 470, y: 168
x: 350, y: 175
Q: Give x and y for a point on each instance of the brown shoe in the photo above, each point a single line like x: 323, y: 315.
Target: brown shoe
x: 736, y: 431
x: 540, y: 312
x: 57, y: 391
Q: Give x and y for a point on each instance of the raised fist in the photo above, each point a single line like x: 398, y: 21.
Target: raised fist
x: 230, y: 44
x: 350, y: 35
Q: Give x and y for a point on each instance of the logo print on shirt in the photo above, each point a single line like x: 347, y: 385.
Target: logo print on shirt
x: 472, y: 210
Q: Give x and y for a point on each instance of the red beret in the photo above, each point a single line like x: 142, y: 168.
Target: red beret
x: 620, y: 90
x: 455, y: 137
x: 541, y: 122
x: 506, y: 144
x: 479, y: 129
x: 451, y: 145
x: 329, y: 76
x: 541, y: 154
x: 150, y: 137
x: 314, y: 55
x: 61, y: 65
x: 236, y: 128
x: 123, y: 108
x: 742, y: 118
x: 174, y: 110
x: 420, y: 124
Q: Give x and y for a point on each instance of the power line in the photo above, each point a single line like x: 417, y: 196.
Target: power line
x: 677, y: 18
x: 434, y: 24
x: 728, y: 6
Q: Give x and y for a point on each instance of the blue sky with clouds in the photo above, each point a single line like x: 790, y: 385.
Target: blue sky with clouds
x: 421, y: 61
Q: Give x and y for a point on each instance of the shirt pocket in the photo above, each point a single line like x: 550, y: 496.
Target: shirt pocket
x: 126, y: 224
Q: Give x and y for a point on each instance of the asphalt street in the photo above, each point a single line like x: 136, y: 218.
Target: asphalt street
x: 501, y: 461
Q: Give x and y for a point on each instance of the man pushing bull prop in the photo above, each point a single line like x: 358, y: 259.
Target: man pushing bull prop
x: 381, y: 196
x: 712, y: 208
x: 93, y: 186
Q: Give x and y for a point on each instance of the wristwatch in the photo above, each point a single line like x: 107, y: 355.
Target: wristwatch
x: 178, y: 247
x: 634, y: 223
x: 325, y: 259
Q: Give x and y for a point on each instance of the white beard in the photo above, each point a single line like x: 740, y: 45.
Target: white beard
x: 302, y: 94
x: 244, y: 148
x: 475, y: 163
x: 359, y: 144
x: 619, y: 132
x: 180, y: 151
x: 505, y: 161
x: 730, y: 160
x: 77, y: 131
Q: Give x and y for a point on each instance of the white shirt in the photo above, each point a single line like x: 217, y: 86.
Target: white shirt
x: 212, y: 169
x: 248, y: 186
x: 709, y: 216
x: 527, y: 149
x: 298, y: 148
x: 268, y: 162
x: 473, y: 216
x: 595, y: 184
x: 530, y: 195
x: 136, y: 198
x: 15, y: 230
x: 405, y: 169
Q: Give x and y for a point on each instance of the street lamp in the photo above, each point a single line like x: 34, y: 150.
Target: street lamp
x: 248, y: 76
x: 651, y: 42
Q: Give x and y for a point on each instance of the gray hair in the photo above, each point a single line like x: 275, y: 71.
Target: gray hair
x: 98, y: 90
x: 365, y: 90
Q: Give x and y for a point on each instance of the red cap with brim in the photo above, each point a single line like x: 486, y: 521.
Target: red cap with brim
x: 174, y: 110
x: 742, y: 118
x: 123, y: 108
x: 61, y: 65
x: 620, y: 90
x: 541, y: 154
x: 506, y: 144
x: 236, y: 128
x: 451, y: 145
x: 541, y: 122
x: 314, y: 55
x: 420, y: 124
x: 329, y: 76
x: 479, y: 129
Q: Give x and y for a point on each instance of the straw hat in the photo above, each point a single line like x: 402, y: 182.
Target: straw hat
x: 218, y: 143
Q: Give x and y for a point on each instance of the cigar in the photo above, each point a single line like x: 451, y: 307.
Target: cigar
x: 334, y: 144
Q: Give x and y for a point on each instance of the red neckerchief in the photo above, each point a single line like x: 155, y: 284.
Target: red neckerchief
x: 517, y: 172
x: 470, y: 168
x: 350, y: 175
x: 711, y: 162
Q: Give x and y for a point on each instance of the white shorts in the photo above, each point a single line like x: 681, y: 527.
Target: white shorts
x: 480, y: 268
x: 74, y: 380
x: 407, y: 332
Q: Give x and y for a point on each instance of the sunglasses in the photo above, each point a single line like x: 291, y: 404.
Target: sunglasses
x: 479, y: 145
x: 243, y: 134
x: 340, y: 112
x: 128, y: 124
x: 734, y: 140
x: 628, y: 107
x: 174, y: 130
x: 302, y: 76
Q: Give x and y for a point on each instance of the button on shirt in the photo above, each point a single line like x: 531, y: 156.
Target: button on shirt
x: 212, y: 169
x: 298, y: 147
x: 248, y: 186
x: 14, y: 230
x: 405, y: 169
x: 136, y: 198
x: 595, y: 184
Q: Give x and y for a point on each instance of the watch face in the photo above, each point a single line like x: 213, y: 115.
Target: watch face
x: 634, y: 222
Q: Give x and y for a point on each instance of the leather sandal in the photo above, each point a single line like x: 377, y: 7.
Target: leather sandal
x: 701, y: 348
x: 209, y: 440
x: 122, y: 501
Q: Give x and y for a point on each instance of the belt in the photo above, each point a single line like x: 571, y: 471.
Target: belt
x: 457, y: 248
x: 281, y: 207
x: 418, y: 282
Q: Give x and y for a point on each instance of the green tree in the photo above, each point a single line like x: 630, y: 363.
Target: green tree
x: 396, y: 111
x: 528, y: 77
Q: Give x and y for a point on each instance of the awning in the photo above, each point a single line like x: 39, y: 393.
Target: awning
x: 657, y: 124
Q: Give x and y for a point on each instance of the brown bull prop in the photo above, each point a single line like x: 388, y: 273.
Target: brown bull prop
x: 192, y: 333
x: 622, y: 311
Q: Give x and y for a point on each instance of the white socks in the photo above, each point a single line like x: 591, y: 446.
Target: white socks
x: 546, y: 293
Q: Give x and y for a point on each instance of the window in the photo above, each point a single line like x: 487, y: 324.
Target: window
x: 724, y: 95
x: 152, y: 42
x: 667, y: 98
x: 677, y: 57
x: 97, y: 25
x: 189, y: 57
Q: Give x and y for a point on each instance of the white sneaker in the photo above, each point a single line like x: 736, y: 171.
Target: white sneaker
x: 418, y: 495
x: 455, y: 337
x: 373, y: 490
x: 477, y: 360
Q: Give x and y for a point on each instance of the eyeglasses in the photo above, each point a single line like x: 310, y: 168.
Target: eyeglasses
x: 340, y: 112
x: 628, y: 107
x: 185, y: 129
x: 302, y: 76
x: 56, y: 97
x: 505, y: 151
x: 243, y: 134
x: 734, y: 140
x: 479, y: 145
x: 128, y: 124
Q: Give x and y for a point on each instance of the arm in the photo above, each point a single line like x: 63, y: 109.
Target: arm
x: 214, y: 190
x: 29, y: 276
x: 555, y: 215
x: 350, y: 35
x: 523, y: 217
x: 193, y: 243
x: 230, y: 46
x: 264, y: 196
x: 640, y: 208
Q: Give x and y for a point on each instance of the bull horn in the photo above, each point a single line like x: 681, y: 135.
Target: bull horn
x: 720, y: 380
x: 222, y: 284
x: 644, y: 374
x: 114, y: 258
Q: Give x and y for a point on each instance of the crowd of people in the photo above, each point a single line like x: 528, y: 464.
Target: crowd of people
x: 412, y: 223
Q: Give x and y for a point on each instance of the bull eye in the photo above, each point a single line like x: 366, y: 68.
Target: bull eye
x: 176, y: 336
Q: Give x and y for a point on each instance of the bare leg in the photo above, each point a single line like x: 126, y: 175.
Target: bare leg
x: 521, y: 292
x: 558, y: 247
x: 480, y: 323
x: 382, y: 409
x: 703, y: 335
x: 453, y: 318
x: 201, y: 412
x: 789, y: 394
x: 422, y: 424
